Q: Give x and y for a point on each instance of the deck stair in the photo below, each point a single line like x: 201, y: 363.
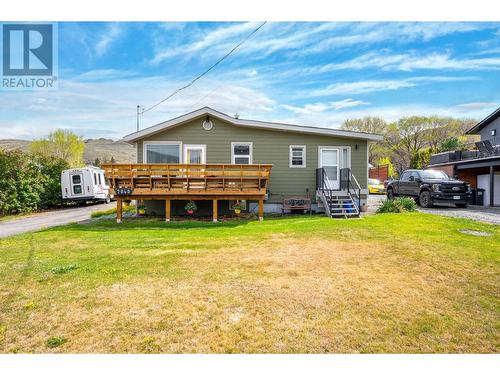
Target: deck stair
x: 341, y: 203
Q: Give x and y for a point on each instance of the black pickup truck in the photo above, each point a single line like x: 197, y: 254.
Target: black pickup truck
x: 428, y: 187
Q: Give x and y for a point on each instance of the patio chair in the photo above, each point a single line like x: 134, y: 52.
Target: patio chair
x: 483, y: 151
x: 492, y: 150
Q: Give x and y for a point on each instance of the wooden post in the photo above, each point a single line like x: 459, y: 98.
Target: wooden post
x: 261, y: 209
x: 215, y: 214
x: 167, y: 209
x: 119, y: 210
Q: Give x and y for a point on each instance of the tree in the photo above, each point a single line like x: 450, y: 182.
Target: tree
x: 406, y: 138
x: 62, y: 144
x: 451, y: 144
x: 421, y: 159
x: 375, y: 125
x: 387, y: 161
x: 97, y: 162
x: 367, y: 124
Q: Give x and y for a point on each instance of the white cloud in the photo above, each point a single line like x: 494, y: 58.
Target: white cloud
x: 207, y: 41
x: 408, y: 62
x: 316, y: 108
x: 347, y: 103
x: 113, y: 32
x: 400, y: 32
x: 107, y: 108
x: 333, y: 119
x: 363, y: 87
x: 465, y: 107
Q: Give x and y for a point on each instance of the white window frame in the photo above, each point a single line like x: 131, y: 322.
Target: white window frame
x: 348, y: 148
x: 290, y: 157
x: 189, y: 145
x: 147, y: 143
x: 233, y: 156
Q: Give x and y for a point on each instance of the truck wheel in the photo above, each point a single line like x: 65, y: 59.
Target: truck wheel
x: 390, y: 194
x: 462, y: 205
x: 425, y: 199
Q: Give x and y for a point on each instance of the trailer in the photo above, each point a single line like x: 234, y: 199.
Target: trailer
x: 82, y: 185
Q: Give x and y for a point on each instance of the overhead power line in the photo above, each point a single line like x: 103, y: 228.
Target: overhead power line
x: 206, y: 71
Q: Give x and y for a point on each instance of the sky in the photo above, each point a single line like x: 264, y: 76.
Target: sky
x: 317, y: 74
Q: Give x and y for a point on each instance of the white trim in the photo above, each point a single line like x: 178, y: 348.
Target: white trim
x: 146, y: 143
x: 185, y: 146
x: 250, y: 161
x: 206, y: 111
x: 304, y: 152
x: 338, y: 149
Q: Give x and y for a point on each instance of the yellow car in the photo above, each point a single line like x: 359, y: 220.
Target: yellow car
x: 375, y: 186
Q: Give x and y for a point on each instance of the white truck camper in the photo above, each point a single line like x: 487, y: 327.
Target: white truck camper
x: 82, y: 185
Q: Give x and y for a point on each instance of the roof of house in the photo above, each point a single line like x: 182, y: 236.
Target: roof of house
x: 207, y: 111
x: 485, y: 122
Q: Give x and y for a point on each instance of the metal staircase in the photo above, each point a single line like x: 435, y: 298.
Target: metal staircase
x: 343, y: 202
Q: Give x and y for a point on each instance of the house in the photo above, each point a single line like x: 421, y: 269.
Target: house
x: 207, y: 155
x: 479, y: 167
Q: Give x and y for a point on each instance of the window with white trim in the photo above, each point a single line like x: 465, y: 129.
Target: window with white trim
x: 162, y: 152
x: 241, y: 153
x: 297, y: 156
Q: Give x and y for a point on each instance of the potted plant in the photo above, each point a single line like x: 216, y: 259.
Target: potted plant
x: 141, y: 209
x: 237, y: 207
x: 190, y: 207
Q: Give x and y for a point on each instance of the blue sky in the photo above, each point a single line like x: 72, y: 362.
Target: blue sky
x: 306, y: 73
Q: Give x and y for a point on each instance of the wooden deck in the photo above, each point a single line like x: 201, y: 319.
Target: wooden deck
x: 188, y: 181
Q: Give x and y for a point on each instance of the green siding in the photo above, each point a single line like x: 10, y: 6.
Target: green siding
x: 269, y: 147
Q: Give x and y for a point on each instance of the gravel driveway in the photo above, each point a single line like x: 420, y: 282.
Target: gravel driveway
x: 50, y: 219
x: 485, y: 214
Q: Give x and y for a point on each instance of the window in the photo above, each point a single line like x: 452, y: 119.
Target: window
x: 162, y: 152
x: 433, y: 174
x: 241, y: 153
x: 77, y: 189
x: 77, y: 179
x: 297, y: 156
x: 95, y: 178
x: 346, y: 157
x: 405, y: 176
x: 99, y: 176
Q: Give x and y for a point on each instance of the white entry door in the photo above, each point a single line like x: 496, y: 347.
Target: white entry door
x: 194, y: 154
x: 329, y: 161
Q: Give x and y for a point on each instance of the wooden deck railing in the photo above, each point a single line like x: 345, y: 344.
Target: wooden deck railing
x: 189, y: 179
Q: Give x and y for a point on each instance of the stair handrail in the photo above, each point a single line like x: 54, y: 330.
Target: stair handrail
x: 354, y: 186
x: 322, y: 187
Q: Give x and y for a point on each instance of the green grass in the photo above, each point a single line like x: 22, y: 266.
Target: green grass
x: 408, y: 282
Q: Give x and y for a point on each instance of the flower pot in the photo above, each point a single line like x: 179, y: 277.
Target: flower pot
x: 142, y: 211
x: 237, y: 210
x: 190, y: 212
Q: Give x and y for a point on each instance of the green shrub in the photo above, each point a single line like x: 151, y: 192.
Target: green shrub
x: 400, y: 204
x: 54, y: 342
x: 29, y: 182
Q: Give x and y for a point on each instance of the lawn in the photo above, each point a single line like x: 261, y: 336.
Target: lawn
x: 308, y: 284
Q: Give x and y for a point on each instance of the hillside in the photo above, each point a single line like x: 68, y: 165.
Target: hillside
x: 100, y: 148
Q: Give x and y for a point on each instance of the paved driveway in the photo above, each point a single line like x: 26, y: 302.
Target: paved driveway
x: 49, y: 219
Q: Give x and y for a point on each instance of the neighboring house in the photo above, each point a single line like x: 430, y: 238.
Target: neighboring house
x: 295, y: 153
x: 480, y: 167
